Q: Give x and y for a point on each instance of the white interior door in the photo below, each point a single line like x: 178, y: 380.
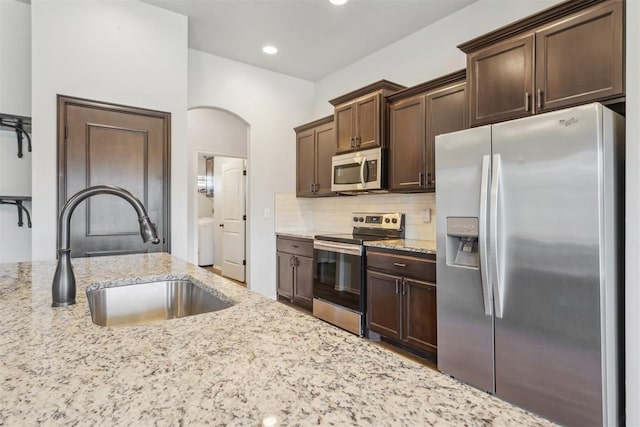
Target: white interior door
x: 233, y: 239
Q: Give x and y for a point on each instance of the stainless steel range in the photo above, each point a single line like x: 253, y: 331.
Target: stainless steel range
x: 339, y: 287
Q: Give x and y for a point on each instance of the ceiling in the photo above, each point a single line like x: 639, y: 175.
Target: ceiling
x: 315, y: 38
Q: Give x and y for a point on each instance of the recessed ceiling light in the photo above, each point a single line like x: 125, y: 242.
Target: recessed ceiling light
x: 338, y: 2
x: 271, y: 50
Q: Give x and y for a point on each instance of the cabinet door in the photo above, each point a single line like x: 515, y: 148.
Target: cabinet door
x: 419, y: 314
x: 446, y: 111
x: 368, y: 122
x: 580, y: 59
x: 345, y: 131
x: 285, y: 274
x: 303, y: 289
x: 407, y: 145
x: 325, y: 147
x: 383, y: 304
x: 501, y: 81
x: 305, y: 163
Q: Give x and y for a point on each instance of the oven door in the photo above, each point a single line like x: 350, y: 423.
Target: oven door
x: 338, y: 276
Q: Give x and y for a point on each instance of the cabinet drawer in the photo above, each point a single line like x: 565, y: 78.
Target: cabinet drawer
x: 402, y: 265
x: 301, y: 247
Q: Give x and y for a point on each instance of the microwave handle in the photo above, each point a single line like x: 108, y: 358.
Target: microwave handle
x: 363, y: 165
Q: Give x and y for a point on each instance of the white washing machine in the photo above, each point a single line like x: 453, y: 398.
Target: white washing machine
x: 206, y: 236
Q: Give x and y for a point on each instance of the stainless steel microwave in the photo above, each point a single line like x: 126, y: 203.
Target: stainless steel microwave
x: 358, y: 171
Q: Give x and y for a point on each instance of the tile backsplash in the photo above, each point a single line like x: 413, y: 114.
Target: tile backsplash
x: 333, y: 214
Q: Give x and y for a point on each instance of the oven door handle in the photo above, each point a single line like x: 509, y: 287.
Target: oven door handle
x: 337, y: 247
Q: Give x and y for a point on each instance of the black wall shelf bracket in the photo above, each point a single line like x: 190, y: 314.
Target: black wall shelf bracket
x: 22, y: 127
x: 17, y: 202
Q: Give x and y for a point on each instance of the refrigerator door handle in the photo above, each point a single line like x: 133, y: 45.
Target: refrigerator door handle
x: 498, y: 292
x: 482, y: 235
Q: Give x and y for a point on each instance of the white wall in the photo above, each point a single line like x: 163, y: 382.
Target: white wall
x: 426, y: 54
x: 15, y: 62
x: 15, y: 99
x: 272, y: 104
x: 633, y: 216
x: 217, y: 131
x: 125, y: 52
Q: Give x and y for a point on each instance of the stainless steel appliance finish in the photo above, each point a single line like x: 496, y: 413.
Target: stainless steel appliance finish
x: 533, y: 315
x: 359, y: 171
x: 339, y: 287
x: 149, y: 302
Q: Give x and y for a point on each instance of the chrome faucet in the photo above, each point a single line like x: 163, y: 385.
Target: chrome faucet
x: 64, y: 281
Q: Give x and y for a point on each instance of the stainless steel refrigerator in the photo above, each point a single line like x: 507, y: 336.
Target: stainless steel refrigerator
x: 530, y: 261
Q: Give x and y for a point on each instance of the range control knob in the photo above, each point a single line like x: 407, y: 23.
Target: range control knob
x: 394, y: 220
x: 387, y: 220
x: 361, y: 219
x: 355, y: 219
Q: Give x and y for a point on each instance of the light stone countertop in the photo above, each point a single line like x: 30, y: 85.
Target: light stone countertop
x: 236, y: 367
x: 298, y: 234
x: 408, y: 245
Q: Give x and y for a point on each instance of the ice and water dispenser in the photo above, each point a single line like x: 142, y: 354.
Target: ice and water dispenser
x: 462, y: 242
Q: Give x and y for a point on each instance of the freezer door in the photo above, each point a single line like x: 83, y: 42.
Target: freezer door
x: 545, y: 252
x: 465, y: 325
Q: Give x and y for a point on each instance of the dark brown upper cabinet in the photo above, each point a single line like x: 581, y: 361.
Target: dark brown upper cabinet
x: 569, y: 54
x: 501, y: 81
x: 315, y: 144
x: 417, y: 115
x: 581, y: 59
x: 360, y: 117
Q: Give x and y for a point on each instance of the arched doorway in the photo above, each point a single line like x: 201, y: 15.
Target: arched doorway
x: 217, y: 230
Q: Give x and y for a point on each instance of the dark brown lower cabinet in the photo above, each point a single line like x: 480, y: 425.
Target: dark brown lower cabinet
x: 295, y: 271
x: 402, y: 308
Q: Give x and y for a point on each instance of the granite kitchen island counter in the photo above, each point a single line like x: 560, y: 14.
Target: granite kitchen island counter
x: 238, y: 366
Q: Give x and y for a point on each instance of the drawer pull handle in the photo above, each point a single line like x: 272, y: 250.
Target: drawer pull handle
x: 294, y: 246
x: 399, y: 264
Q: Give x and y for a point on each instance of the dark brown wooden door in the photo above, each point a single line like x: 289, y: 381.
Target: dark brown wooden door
x: 446, y: 112
x: 303, y: 289
x: 581, y: 59
x: 368, y: 122
x: 383, y: 304
x: 501, y: 81
x: 106, y: 144
x: 345, y: 131
x: 305, y: 163
x: 285, y: 274
x: 419, y: 314
x: 407, y: 149
x: 325, y: 148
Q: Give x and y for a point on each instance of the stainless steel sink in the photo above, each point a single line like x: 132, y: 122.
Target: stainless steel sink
x: 149, y: 302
